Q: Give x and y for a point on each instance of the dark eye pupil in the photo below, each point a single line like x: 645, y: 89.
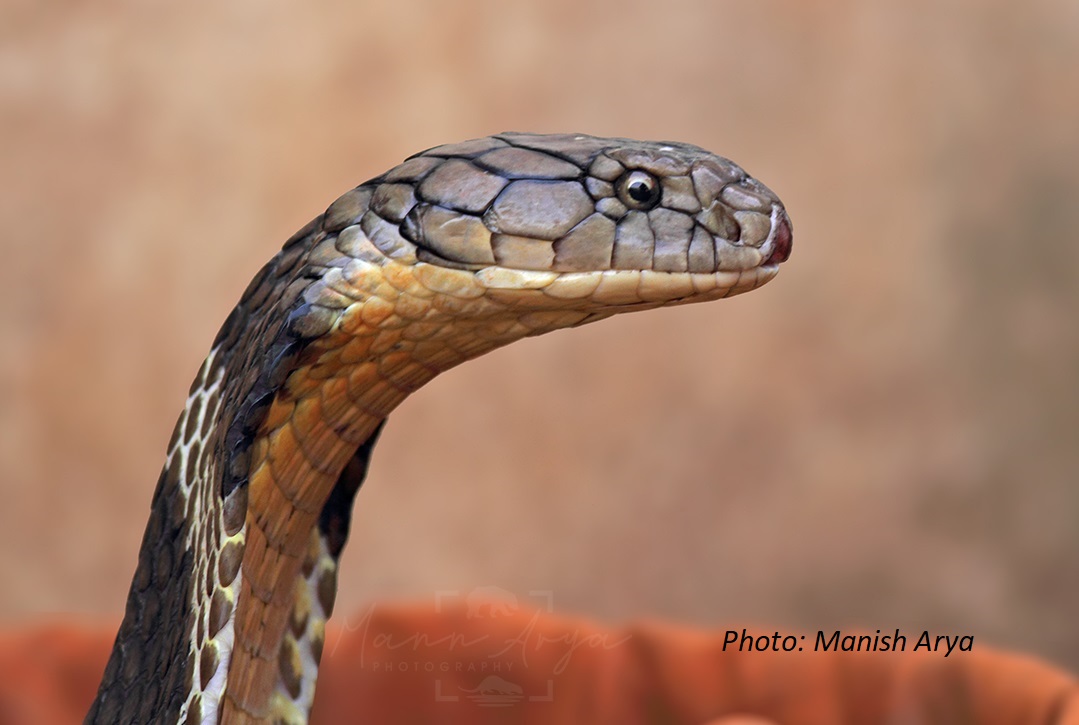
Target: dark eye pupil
x: 641, y: 190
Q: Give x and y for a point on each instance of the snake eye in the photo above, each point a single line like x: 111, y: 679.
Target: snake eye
x: 639, y: 190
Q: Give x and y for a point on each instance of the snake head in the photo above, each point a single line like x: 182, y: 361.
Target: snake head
x: 607, y: 221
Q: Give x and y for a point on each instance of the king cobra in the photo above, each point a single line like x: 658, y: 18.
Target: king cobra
x: 459, y: 250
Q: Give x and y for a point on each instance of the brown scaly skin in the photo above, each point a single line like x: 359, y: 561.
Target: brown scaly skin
x: 459, y: 250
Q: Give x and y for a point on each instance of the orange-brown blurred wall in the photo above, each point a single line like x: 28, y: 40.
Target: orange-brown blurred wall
x: 885, y: 436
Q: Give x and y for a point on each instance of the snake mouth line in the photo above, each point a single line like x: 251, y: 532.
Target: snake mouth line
x: 616, y: 288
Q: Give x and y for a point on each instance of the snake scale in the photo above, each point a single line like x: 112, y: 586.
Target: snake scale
x: 457, y: 251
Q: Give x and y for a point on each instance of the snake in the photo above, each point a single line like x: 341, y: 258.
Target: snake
x: 460, y: 249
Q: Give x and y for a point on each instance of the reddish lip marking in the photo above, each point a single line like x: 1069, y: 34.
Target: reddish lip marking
x: 784, y: 239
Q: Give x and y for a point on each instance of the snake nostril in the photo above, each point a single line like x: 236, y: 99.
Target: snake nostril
x: 784, y: 239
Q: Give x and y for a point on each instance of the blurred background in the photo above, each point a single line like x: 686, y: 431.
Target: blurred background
x: 885, y: 436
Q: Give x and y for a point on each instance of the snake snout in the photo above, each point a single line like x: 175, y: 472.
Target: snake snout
x: 783, y: 240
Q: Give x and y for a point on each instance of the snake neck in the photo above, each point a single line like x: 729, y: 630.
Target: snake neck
x: 306, y: 463
x: 238, y: 568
